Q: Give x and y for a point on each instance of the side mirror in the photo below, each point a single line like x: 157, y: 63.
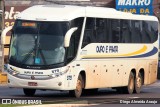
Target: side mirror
x: 3, y: 35
x: 68, y: 36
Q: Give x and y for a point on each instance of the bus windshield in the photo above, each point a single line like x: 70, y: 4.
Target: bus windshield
x: 38, y: 43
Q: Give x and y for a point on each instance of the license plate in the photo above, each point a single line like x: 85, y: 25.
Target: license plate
x: 32, y: 84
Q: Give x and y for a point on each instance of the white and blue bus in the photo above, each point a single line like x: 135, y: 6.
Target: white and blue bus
x: 78, y: 48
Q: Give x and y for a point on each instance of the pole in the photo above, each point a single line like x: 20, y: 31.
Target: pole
x: 2, y: 46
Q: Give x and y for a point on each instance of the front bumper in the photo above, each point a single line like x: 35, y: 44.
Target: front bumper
x: 50, y: 84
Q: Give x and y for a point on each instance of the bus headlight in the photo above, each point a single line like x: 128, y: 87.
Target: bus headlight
x: 65, y: 69
x: 13, y: 72
x: 59, y: 72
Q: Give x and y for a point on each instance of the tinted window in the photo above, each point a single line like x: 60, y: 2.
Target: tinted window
x: 38, y: 43
x: 98, y: 30
x: 95, y: 31
x: 135, y: 31
x: 89, y: 33
x: 74, y: 42
x: 115, y: 28
x: 151, y: 30
x: 125, y: 31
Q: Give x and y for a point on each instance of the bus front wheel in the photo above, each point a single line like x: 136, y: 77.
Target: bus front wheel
x: 29, y: 92
x: 130, y: 88
x: 79, y: 87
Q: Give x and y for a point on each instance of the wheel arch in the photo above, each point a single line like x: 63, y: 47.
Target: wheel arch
x: 134, y: 72
x: 141, y: 71
x: 83, y: 74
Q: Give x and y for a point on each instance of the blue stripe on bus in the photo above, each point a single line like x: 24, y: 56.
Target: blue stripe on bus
x: 152, y: 52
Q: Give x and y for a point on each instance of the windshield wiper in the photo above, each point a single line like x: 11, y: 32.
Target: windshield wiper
x: 44, y: 60
x: 28, y: 55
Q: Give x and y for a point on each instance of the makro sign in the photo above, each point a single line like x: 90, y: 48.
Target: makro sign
x: 135, y: 6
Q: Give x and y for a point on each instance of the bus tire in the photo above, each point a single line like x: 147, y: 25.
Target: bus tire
x: 138, y: 83
x: 130, y: 88
x: 79, y: 87
x: 29, y: 92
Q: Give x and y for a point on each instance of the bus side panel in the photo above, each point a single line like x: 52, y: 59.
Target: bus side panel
x: 76, y: 67
x: 112, y: 73
x: 152, y: 72
x: 93, y: 74
x: 106, y: 74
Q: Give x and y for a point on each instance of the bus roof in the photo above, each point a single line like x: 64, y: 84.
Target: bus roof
x: 68, y: 12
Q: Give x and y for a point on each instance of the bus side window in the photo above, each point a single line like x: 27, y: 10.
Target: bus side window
x: 89, y: 33
x: 153, y: 30
x: 87, y: 37
x: 135, y: 32
x: 145, y: 34
x: 115, y: 31
x: 74, y: 42
x: 71, y: 50
x: 101, y: 36
x: 125, y: 32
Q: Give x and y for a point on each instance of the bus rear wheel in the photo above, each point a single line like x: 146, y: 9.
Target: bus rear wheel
x: 130, y: 88
x: 79, y: 87
x: 29, y: 92
x: 138, y: 83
